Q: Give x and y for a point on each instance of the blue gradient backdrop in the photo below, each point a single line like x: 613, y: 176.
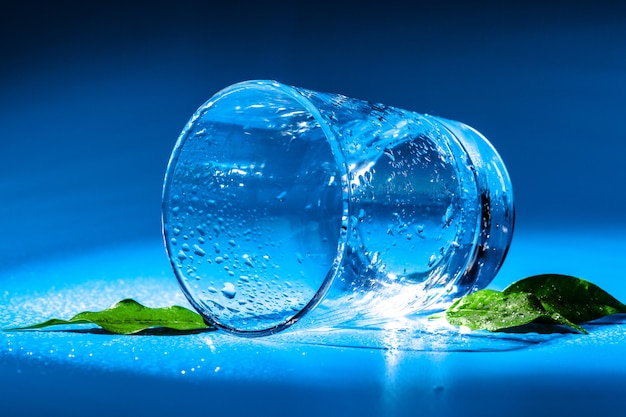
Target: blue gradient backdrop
x: 94, y: 94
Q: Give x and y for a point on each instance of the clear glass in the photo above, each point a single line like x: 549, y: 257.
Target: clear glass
x: 282, y: 203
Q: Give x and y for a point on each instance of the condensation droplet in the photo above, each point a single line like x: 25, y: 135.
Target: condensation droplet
x: 229, y: 290
x: 198, y: 250
x: 447, y: 217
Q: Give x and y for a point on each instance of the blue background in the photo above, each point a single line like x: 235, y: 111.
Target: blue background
x: 94, y: 94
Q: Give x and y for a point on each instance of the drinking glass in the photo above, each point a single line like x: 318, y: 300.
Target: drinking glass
x: 282, y: 203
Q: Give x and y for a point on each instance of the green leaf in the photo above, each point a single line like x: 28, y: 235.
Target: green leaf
x: 129, y: 317
x: 574, y: 298
x: 547, y: 298
x: 497, y: 311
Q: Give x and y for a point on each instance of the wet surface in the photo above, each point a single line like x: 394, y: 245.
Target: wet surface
x: 378, y: 369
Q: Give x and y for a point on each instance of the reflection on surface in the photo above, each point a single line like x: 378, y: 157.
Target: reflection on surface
x: 417, y: 334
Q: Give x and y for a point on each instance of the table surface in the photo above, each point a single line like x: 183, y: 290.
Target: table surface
x: 409, y: 369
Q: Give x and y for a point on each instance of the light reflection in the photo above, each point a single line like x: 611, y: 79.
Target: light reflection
x: 359, y: 174
x: 393, y: 339
x: 208, y: 340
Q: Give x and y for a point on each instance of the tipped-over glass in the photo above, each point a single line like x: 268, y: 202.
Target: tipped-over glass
x: 282, y: 203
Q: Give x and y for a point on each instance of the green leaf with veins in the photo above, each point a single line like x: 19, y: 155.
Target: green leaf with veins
x: 545, y: 299
x: 574, y: 298
x: 129, y: 317
x: 497, y: 311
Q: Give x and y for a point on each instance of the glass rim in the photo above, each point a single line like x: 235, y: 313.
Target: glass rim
x: 337, y: 153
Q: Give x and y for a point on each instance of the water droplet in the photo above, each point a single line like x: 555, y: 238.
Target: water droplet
x: 281, y: 197
x: 229, y: 290
x: 432, y: 260
x: 219, y: 260
x: 299, y: 257
x: 198, y: 250
x: 181, y: 255
x: 447, y: 217
x: 185, y: 247
x: 232, y: 243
